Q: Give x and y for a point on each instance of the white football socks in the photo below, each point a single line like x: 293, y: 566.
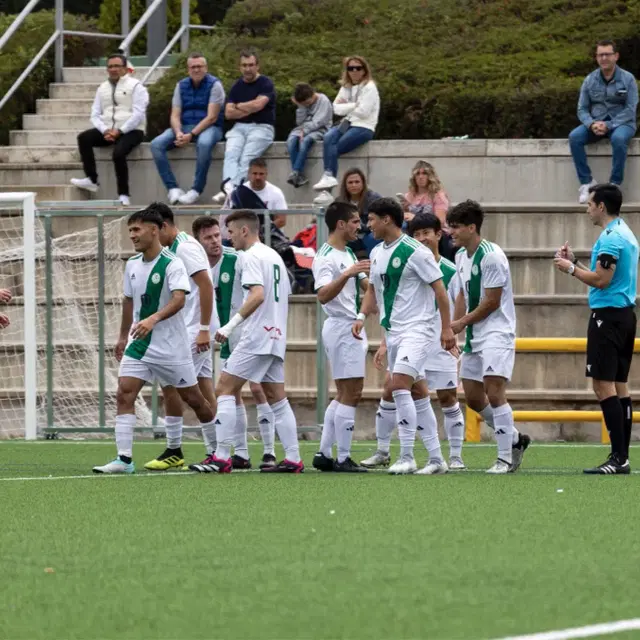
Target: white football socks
x: 407, y: 421
x: 503, y: 420
x: 209, y: 436
x: 454, y: 428
x: 328, y: 436
x: 487, y: 415
x: 173, y: 427
x: 225, y: 422
x: 240, y: 446
x: 125, y: 424
x: 345, y: 419
x: 385, y: 424
x: 287, y: 429
x: 427, y: 428
x: 266, y: 424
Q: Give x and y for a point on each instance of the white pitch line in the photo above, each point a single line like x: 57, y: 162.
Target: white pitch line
x: 590, y: 631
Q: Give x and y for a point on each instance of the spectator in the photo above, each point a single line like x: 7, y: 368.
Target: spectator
x: 252, y: 104
x: 354, y: 189
x: 196, y: 116
x: 427, y: 195
x: 313, y: 119
x: 607, y: 109
x: 5, y: 296
x: 296, y: 258
x: 118, y: 118
x: 358, y: 103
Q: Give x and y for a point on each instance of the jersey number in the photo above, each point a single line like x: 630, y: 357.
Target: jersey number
x: 276, y: 281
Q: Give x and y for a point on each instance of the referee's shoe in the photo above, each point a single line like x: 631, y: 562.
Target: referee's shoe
x: 612, y: 466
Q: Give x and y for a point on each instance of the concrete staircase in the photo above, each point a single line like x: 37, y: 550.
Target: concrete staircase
x: 43, y: 156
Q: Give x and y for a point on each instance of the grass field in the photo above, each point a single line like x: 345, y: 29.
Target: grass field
x: 312, y: 556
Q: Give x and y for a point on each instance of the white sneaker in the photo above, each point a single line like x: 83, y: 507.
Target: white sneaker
x: 328, y: 181
x: 583, y: 191
x: 324, y: 199
x: 174, y: 195
x: 500, y: 467
x: 116, y: 466
x: 433, y: 468
x: 378, y: 459
x: 190, y: 197
x: 85, y: 183
x: 219, y: 198
x: 403, y: 467
x: 456, y: 464
x: 125, y: 201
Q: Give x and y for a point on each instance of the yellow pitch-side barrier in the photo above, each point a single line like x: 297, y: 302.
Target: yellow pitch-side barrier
x: 558, y: 345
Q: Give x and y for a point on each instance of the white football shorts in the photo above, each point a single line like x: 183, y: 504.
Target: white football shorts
x: 407, y: 354
x: 167, y: 374
x: 347, y: 355
x: 255, y: 367
x: 488, y: 362
x: 203, y: 364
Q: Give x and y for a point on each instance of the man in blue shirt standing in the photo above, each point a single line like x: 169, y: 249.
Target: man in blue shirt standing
x: 607, y: 109
x: 612, y: 281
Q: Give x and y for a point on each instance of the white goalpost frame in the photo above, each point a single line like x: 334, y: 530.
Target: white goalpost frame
x: 27, y: 201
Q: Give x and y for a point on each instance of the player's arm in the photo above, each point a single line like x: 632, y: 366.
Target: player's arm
x: 364, y: 283
x: 489, y: 304
x: 368, y: 307
x: 252, y: 302
x: 599, y: 279
x: 380, y: 354
x: 327, y: 292
x: 447, y: 338
x: 127, y: 314
x: 205, y: 287
x: 460, y: 307
x: 175, y: 304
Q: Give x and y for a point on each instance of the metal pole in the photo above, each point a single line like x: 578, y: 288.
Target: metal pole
x: 15, y: 25
x: 184, y: 41
x: 101, y: 410
x: 49, y: 316
x: 124, y: 18
x: 156, y: 32
x: 126, y: 43
x: 59, y: 54
x: 322, y: 388
x: 267, y: 228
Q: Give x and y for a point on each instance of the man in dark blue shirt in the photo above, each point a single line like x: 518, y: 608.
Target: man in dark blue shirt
x: 252, y: 104
x: 612, y: 281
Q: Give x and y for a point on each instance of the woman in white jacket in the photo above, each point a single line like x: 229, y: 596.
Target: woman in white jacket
x: 358, y: 104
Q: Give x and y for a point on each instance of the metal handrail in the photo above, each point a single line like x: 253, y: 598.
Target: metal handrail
x: 165, y: 51
x: 15, y: 25
x: 144, y: 18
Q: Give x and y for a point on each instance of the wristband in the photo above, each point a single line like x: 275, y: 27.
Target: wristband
x: 234, y: 322
x: 572, y: 269
x: 204, y: 327
x: 361, y: 316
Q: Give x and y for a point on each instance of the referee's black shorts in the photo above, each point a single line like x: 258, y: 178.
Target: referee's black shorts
x: 610, y: 340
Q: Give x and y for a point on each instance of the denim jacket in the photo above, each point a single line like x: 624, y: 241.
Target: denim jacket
x: 615, y: 103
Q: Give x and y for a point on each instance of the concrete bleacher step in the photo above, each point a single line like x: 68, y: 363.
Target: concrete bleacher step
x: 73, y: 90
x: 58, y: 107
x: 50, y: 138
x: 70, y: 121
x: 49, y: 192
x: 40, y: 154
x: 43, y: 173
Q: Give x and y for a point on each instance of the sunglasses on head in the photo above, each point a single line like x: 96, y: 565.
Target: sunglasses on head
x: 355, y: 68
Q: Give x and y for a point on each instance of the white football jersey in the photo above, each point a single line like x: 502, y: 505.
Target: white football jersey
x: 265, y: 330
x: 487, y: 268
x: 401, y: 273
x: 149, y: 285
x: 194, y: 257
x: 227, y: 281
x: 328, y: 264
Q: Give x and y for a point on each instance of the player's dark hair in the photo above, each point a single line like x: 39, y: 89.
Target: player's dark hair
x: 303, y: 91
x: 250, y: 53
x: 337, y: 211
x: 388, y: 207
x: 607, y: 43
x: 203, y: 222
x: 258, y: 162
x: 245, y: 217
x: 424, y: 221
x: 163, y: 210
x: 609, y: 195
x: 466, y: 213
x: 146, y: 215
x: 119, y: 55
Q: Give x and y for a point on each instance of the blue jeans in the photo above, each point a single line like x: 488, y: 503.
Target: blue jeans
x: 336, y: 143
x: 298, y: 151
x: 205, y: 142
x: 619, y: 137
x: 245, y: 142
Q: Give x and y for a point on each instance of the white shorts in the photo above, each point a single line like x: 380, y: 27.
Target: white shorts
x: 407, y: 354
x: 255, y: 367
x: 203, y: 364
x: 441, y: 380
x: 167, y: 375
x: 490, y: 362
x: 346, y: 354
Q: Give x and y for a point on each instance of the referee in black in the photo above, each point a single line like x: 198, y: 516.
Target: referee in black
x: 612, y: 280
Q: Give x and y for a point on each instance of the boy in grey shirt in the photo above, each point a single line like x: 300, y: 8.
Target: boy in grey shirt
x: 314, y: 116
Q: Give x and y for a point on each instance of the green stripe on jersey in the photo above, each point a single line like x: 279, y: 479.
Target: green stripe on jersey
x: 357, y: 280
x: 395, y: 268
x: 224, y: 293
x: 150, y: 303
x: 475, y: 286
x: 325, y: 249
x: 448, y: 270
x: 181, y: 237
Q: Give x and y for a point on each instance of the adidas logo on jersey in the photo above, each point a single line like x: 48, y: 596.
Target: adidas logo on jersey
x: 342, y: 267
x: 405, y: 359
x: 217, y: 421
x: 133, y: 276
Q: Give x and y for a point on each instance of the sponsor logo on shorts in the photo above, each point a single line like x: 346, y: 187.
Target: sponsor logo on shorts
x: 182, y: 381
x: 489, y: 368
x: 405, y: 359
x: 451, y: 383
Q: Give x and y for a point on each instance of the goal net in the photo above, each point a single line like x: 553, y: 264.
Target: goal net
x: 54, y: 372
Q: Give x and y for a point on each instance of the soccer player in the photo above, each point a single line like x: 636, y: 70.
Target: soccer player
x: 406, y: 284
x: 259, y: 354
x: 226, y: 271
x: 154, y: 343
x: 338, y: 278
x: 485, y: 309
x: 612, y: 280
x: 198, y: 314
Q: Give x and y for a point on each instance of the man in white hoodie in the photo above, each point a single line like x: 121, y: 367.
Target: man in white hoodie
x: 118, y: 118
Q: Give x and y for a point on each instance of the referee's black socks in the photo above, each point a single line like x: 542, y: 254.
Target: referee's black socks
x: 627, y: 412
x: 614, y: 419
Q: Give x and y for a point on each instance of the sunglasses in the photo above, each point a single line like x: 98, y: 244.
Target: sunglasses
x: 355, y: 68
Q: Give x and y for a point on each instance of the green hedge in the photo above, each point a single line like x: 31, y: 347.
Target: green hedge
x: 487, y: 68
x: 21, y: 49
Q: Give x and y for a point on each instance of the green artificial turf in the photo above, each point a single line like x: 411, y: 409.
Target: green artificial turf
x: 312, y: 556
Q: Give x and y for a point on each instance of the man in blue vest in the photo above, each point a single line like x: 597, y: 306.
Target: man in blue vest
x: 196, y: 116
